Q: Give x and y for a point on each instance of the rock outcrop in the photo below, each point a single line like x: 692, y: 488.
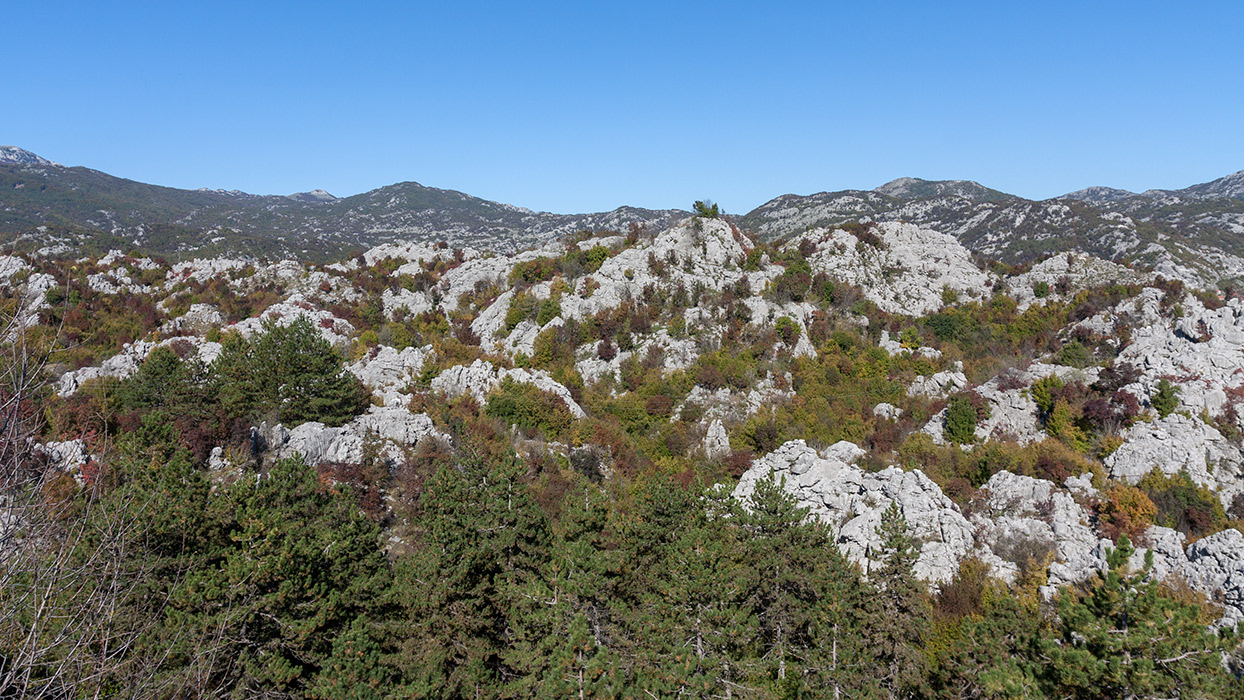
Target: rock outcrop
x: 716, y: 441
x: 387, y: 371
x: 907, y: 273
x: 1178, y: 443
x: 127, y: 362
x: 851, y: 501
x: 1025, y: 517
x: 395, y: 429
x: 481, y: 378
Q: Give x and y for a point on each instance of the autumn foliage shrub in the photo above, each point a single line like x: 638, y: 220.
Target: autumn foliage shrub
x: 1124, y: 510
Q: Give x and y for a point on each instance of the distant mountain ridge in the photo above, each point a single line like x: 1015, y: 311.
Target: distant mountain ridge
x: 1196, y: 233
x: 1192, y: 233
x: 12, y: 155
x: 46, y: 205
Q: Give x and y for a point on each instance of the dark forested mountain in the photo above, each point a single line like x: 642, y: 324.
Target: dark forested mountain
x: 1193, y: 233
x: 45, y: 204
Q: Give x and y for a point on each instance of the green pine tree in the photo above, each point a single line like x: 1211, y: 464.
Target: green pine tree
x: 1121, y: 636
x: 356, y: 669
x: 289, y: 373
x: 902, y: 609
x: 559, y: 617
x: 484, y: 541
x: 694, y: 627
x: 808, y: 600
x: 289, y: 569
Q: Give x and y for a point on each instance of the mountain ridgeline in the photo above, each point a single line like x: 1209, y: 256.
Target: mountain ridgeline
x: 1191, y: 234
x: 45, y: 204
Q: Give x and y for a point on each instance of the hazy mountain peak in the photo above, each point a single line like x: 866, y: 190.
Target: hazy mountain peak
x: 12, y: 155
x: 917, y: 188
x: 316, y: 195
x: 1099, y: 195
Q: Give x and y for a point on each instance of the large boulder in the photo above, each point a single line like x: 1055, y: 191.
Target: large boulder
x: 387, y: 371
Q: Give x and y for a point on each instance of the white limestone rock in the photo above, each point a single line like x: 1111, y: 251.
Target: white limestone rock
x: 1013, y: 415
x: 908, y: 274
x: 485, y: 271
x: 67, y: 456
x: 736, y: 407
x: 694, y: 251
x: 894, y: 348
x: 888, y: 411
x: 1216, y: 566
x: 335, y: 330
x: 1179, y: 443
x: 413, y: 303
x: 851, y: 501
x: 481, y: 378
x: 1074, y: 270
x: 11, y: 265
x: 387, y: 371
x: 939, y: 385
x: 31, y: 292
x: 127, y: 362
x: 716, y: 441
x: 396, y: 428
x: 1202, y: 352
x: 416, y: 252
x: 1025, y: 515
x: 199, y: 319
x: 204, y: 269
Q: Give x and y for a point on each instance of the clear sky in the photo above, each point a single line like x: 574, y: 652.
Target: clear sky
x: 585, y: 106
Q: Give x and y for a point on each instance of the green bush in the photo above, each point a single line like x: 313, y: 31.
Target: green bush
x: 1182, y: 504
x: 529, y: 408
x: 550, y: 309
x: 1044, y: 390
x: 523, y: 307
x: 706, y: 209
x: 960, y: 420
x: 1166, y: 399
x: 531, y: 271
x: 788, y: 330
x: 1074, y: 354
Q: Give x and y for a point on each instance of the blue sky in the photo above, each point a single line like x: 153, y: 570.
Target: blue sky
x: 586, y: 106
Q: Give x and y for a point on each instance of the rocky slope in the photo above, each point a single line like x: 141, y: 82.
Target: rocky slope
x: 682, y: 308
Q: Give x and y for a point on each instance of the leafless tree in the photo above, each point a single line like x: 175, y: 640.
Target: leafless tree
x: 70, y: 560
